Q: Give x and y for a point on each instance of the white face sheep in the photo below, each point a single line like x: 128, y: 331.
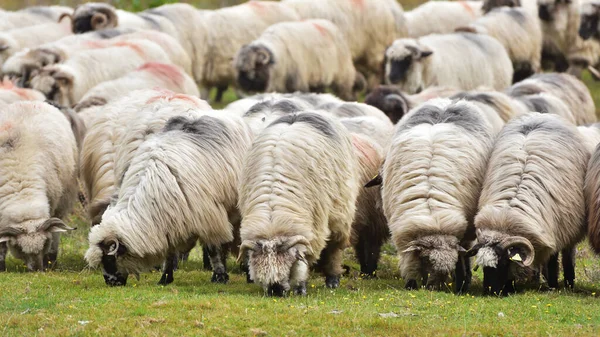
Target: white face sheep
x: 432, y: 177
x: 180, y: 186
x: 39, y: 181
x: 532, y: 204
x: 297, y: 196
x: 461, y: 60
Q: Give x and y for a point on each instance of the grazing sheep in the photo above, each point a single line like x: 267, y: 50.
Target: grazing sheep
x: 15, y: 40
x: 447, y: 15
x: 303, y: 56
x: 370, y: 138
x: 504, y: 106
x: 38, y: 184
x: 532, y: 205
x: 591, y: 135
x: 181, y: 185
x: 240, y: 107
x: 566, y: 87
x: 67, y: 83
x: 150, y: 75
x: 10, y: 93
x: 354, y: 109
x: 32, y: 16
x: 560, y: 25
x: 369, y: 26
x: 297, y: 195
x: 432, y: 178
x: 148, y: 108
x: 547, y: 103
x: 396, y: 104
x: 462, y: 60
x: 519, y: 32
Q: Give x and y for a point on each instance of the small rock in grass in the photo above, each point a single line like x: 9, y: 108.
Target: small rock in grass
x: 389, y: 315
x: 501, y: 314
x: 258, y: 332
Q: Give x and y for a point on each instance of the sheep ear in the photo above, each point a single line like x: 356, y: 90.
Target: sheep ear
x: 263, y: 57
x: 63, y: 78
x: 426, y: 53
x: 474, y: 250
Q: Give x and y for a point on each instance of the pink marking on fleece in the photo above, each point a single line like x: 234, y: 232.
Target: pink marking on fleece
x: 169, y: 96
x: 359, y: 3
x: 322, y: 30
x: 95, y: 44
x: 164, y: 71
x: 6, y: 126
x: 367, y: 155
x: 258, y: 7
x: 134, y: 46
x: 468, y: 8
x: 26, y: 94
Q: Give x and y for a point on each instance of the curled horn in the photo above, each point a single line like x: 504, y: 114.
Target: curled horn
x: 295, y: 240
x: 104, y: 18
x: 113, y: 251
x: 10, y: 231
x: 54, y: 222
x: 594, y: 72
x: 245, y: 247
x: 518, y: 241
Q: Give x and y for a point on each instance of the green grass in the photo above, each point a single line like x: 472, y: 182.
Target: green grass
x: 73, y: 300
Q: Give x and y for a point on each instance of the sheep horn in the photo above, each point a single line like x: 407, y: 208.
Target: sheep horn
x: 245, y: 247
x: 594, y: 72
x: 518, y: 241
x: 54, y: 222
x: 10, y: 231
x: 295, y: 240
x: 113, y: 251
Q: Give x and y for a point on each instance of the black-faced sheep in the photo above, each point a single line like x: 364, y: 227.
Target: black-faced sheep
x: 304, y: 56
x: 297, y: 196
x: 461, y: 60
x: 532, y: 204
x: 432, y: 178
x: 38, y: 184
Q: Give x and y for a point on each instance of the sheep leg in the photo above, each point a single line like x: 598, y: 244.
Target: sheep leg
x: 411, y: 285
x: 220, y: 91
x: 52, y: 254
x: 206, y: 259
x: 568, y: 263
x: 298, y: 278
x: 551, y: 272
x: 462, y: 275
x: 217, y: 260
x: 168, y: 269
x: 3, y: 252
x: 367, y: 254
x: 331, y: 263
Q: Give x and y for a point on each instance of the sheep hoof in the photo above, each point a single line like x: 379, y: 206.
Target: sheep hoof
x: 301, y: 289
x: 248, y: 279
x: 332, y: 281
x: 219, y: 278
x: 166, y: 278
x: 411, y: 285
x: 2, y: 266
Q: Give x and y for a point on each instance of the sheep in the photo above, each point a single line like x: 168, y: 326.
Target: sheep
x: 240, y: 107
x: 67, y: 83
x: 9, y: 93
x: 592, y: 196
x: 547, y: 103
x: 447, y: 15
x: 370, y: 138
x: 369, y: 26
x: 15, y: 40
x: 431, y: 179
x: 354, y: 109
x: 532, y: 204
x: 297, y: 196
x: 32, y: 16
x: 148, y: 108
x: 504, y: 106
x: 529, y: 5
x: 39, y: 181
x: 566, y: 87
x: 560, y: 25
x: 519, y: 32
x: 23, y: 63
x: 591, y: 135
x: 180, y: 186
x: 462, y: 60
x: 304, y: 56
x: 396, y: 104
x: 148, y: 76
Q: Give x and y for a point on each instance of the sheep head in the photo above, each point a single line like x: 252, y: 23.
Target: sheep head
x: 32, y: 246
x: 107, y: 253
x: 404, y: 64
x: 56, y: 83
x: 94, y: 16
x: 548, y: 9
x: 437, y: 255
x: 590, y: 20
x: 278, y: 264
x: 390, y: 100
x: 500, y: 255
x: 253, y: 64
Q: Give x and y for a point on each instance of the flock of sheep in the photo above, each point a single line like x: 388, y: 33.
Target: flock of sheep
x: 468, y: 150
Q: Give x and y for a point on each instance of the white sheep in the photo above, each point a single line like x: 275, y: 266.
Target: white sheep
x: 297, y: 193
x: 32, y: 16
x: 180, y: 186
x: 432, y: 178
x: 9, y: 93
x: 591, y: 136
x: 447, y: 15
x: 592, y: 195
x: 67, y: 83
x: 38, y: 167
x: 461, y: 60
x: 532, y: 204
x: 370, y: 26
x: 303, y: 56
x: 519, y: 32
x: 560, y: 25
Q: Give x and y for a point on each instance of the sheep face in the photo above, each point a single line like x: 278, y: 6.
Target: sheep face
x: 29, y: 62
x: 437, y: 256
x: 278, y: 264
x: 488, y: 5
x: 548, y: 9
x: 253, y: 65
x: 501, y: 256
x: 96, y: 16
x: 404, y: 65
x: 590, y: 18
x: 56, y: 84
x: 390, y: 100
x: 33, y: 247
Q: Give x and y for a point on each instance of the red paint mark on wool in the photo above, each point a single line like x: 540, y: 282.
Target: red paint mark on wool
x: 322, y: 30
x: 95, y: 44
x: 367, y: 154
x: 165, y: 71
x: 134, y: 46
x: 468, y: 8
x: 6, y: 126
x: 168, y: 95
x: 358, y: 3
x: 257, y: 6
x: 26, y: 94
